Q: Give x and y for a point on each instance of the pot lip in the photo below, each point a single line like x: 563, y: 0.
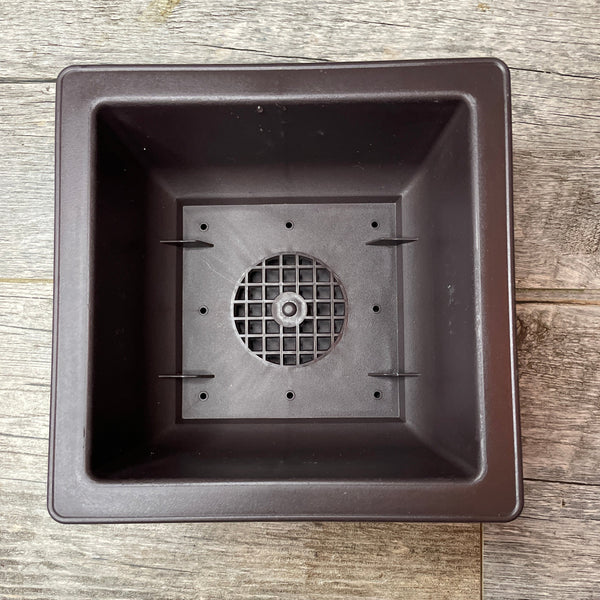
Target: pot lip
x: 75, y: 496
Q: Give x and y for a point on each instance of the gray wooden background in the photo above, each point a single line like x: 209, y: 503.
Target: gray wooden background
x: 553, y: 549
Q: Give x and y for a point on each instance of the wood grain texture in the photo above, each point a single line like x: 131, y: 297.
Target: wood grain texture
x: 27, y: 176
x: 551, y: 551
x: 42, y: 559
x: 556, y: 172
x: 38, y: 39
x: 556, y: 180
x: 559, y: 384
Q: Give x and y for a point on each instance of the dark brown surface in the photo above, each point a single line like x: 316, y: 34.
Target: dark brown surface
x: 449, y: 159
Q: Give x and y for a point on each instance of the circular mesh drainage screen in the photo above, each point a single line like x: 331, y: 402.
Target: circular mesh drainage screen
x: 290, y: 309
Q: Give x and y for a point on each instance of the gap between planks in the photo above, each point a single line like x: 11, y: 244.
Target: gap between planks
x: 557, y: 296
x: 560, y: 481
x: 522, y: 295
x: 315, y: 60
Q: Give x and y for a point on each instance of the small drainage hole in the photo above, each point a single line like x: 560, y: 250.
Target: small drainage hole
x: 203, y: 226
x: 290, y: 395
x: 289, y: 225
x: 203, y: 396
x: 377, y: 395
x: 374, y: 224
x: 376, y: 308
x: 203, y: 310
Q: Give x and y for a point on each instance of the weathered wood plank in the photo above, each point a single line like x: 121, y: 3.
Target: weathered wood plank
x: 25, y: 348
x: 43, y: 559
x: 556, y: 173
x: 559, y: 383
x: 27, y: 175
x: 551, y: 551
x: 556, y: 145
x: 38, y: 39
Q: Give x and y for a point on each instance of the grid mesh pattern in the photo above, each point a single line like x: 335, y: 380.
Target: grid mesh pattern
x: 326, y: 309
